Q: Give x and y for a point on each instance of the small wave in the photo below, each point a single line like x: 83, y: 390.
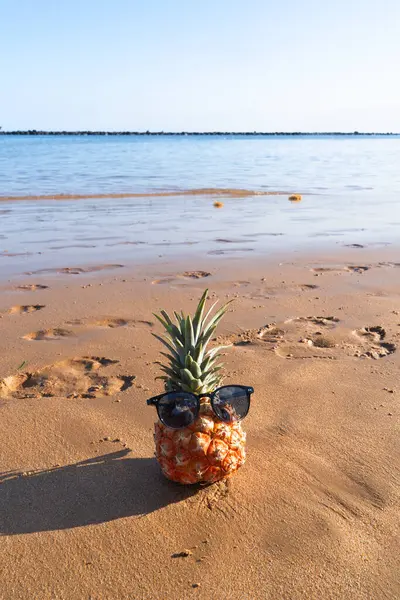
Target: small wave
x: 226, y: 192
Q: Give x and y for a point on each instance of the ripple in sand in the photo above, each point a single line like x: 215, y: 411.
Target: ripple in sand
x: 50, y: 241
x: 126, y: 243
x: 83, y: 238
x: 263, y: 233
x: 389, y: 264
x: 227, y: 251
x: 164, y: 280
x: 14, y: 254
x: 233, y: 241
x: 72, y: 246
x: 175, y: 244
x: 72, y: 378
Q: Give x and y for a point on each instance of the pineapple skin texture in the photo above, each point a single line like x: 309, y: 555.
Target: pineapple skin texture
x: 205, y: 452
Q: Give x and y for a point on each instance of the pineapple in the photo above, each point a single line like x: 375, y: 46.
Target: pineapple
x: 209, y: 449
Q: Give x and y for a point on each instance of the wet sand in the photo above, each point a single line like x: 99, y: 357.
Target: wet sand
x: 314, y: 513
x: 39, y: 236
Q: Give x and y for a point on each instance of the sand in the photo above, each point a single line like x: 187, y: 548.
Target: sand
x: 314, y: 513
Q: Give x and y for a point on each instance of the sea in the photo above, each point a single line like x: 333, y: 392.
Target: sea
x: 78, y: 200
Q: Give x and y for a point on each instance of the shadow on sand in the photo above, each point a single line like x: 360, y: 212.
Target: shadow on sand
x: 93, y: 491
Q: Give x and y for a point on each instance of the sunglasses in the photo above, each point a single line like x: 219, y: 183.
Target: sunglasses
x: 180, y: 409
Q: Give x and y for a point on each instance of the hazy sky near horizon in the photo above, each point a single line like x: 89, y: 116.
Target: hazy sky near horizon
x: 237, y: 65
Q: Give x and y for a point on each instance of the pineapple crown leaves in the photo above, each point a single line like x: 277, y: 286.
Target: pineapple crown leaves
x: 190, y: 366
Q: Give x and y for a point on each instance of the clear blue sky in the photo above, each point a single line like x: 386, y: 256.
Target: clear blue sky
x: 200, y: 64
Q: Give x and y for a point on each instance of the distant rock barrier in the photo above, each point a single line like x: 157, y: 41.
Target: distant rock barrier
x: 200, y: 133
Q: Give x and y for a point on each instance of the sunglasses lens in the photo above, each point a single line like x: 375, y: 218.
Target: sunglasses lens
x: 231, y: 403
x: 177, y: 409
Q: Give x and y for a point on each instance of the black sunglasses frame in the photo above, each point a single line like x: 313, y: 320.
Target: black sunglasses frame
x: 156, y: 399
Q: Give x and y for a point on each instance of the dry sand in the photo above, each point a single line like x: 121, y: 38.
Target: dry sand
x: 314, y: 513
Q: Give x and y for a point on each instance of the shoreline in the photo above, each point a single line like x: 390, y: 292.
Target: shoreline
x: 48, y: 236
x: 341, y: 259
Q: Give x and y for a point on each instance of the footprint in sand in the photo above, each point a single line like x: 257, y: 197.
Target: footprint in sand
x: 305, y: 334
x: 33, y: 287
x: 346, y: 269
x: 321, y: 337
x: 23, y: 309
x: 373, y: 334
x: 268, y: 333
x: 306, y: 287
x: 371, y: 343
x: 76, y: 270
x: 111, y: 322
x: 195, y: 274
x: 357, y: 269
x: 324, y: 321
x: 322, y: 270
x: 48, y: 334
x: 185, y: 275
x: 73, y: 378
x: 280, y: 290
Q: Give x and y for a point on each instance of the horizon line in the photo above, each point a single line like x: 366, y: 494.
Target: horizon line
x: 194, y: 133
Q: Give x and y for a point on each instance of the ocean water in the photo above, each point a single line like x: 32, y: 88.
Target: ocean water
x: 350, y: 188
x: 112, y: 164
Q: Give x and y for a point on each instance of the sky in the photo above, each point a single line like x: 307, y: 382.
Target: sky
x: 200, y: 65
